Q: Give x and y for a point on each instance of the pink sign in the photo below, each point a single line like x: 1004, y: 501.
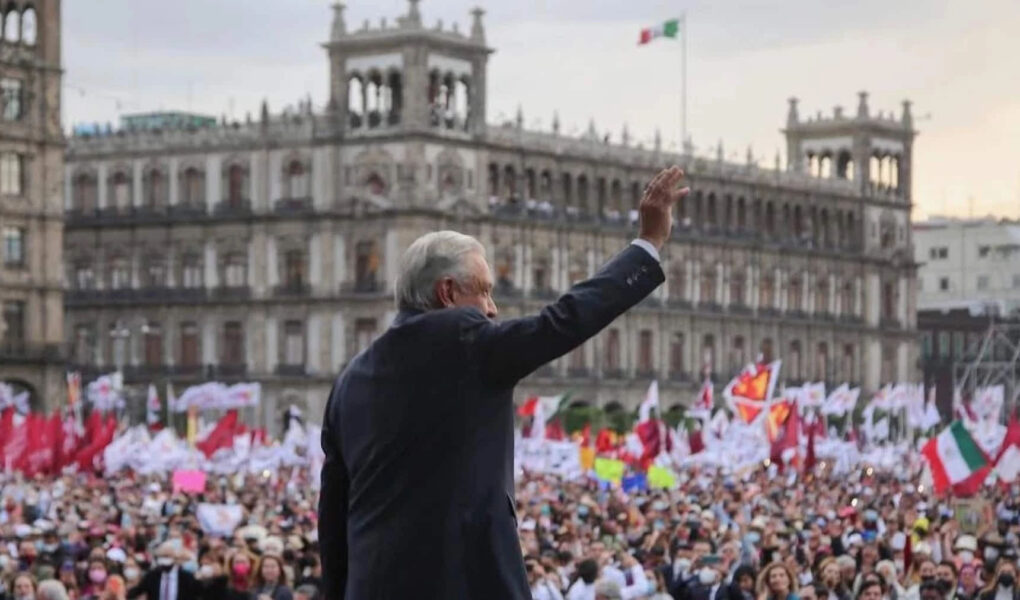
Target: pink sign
x: 189, y: 481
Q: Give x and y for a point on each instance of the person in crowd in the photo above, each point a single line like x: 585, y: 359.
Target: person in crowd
x: 270, y: 581
x: 946, y: 574
x: 168, y: 581
x: 1003, y: 586
x: 23, y: 587
x: 777, y: 582
x: 96, y: 581
x: 871, y: 589
x: 306, y: 592
x: 968, y: 587
x: 51, y: 589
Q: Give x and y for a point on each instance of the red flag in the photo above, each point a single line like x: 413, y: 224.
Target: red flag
x: 787, y: 440
x: 88, y: 456
x: 648, y: 433
x: 528, y: 408
x: 6, y: 428
x: 605, y: 441
x: 554, y: 431
x: 222, y: 436
x: 695, y: 442
x: 809, y: 458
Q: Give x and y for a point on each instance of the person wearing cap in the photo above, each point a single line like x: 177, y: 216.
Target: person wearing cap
x: 167, y: 581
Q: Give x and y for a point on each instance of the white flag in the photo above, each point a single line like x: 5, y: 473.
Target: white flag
x: 219, y: 519
x: 651, y: 401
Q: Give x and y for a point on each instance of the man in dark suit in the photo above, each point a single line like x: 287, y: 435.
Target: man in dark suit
x: 417, y: 495
x: 167, y: 581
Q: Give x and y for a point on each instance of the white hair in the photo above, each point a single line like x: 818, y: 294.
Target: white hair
x: 51, y: 589
x: 428, y: 259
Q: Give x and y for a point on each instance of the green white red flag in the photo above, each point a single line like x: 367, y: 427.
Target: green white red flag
x: 669, y: 29
x: 956, y: 460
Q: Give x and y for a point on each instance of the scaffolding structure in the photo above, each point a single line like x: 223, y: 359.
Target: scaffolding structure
x: 994, y: 360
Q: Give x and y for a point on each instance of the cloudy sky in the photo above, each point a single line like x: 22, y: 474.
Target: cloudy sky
x: 956, y: 59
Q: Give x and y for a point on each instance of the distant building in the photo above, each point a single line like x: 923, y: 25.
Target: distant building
x: 267, y: 250
x: 159, y: 121
x: 968, y: 261
x: 31, y: 200
x: 950, y: 335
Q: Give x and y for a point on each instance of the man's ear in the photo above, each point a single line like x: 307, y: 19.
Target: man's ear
x: 445, y: 292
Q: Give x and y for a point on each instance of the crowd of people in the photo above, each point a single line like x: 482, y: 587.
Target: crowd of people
x: 83, y: 537
x: 718, y: 536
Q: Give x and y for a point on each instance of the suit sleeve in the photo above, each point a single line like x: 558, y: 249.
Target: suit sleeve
x: 511, y: 350
x: 333, y: 498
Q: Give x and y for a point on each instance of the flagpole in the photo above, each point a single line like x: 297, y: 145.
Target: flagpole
x: 683, y: 81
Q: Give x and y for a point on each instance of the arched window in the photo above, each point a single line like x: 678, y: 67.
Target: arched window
x: 708, y: 291
x: 355, y: 101
x: 737, y: 288
x: 678, y: 282
x: 708, y: 353
x: 155, y: 195
x: 822, y: 362
x: 28, y: 26
x: 366, y: 266
x: 375, y: 184
x: 192, y: 187
x: 796, y: 293
x: 766, y: 350
x: 84, y: 192
x: 237, y: 185
x: 822, y: 296
x: 767, y: 296
x: 154, y: 271
x: 120, y: 191
x: 737, y: 354
x: 795, y: 362
x: 12, y: 25
x: 296, y: 181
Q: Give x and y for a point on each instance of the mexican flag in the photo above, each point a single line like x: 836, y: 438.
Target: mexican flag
x: 670, y: 29
x: 541, y: 409
x: 956, y: 460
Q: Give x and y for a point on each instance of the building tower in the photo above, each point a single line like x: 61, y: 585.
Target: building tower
x: 31, y: 201
x: 407, y: 79
x: 873, y: 154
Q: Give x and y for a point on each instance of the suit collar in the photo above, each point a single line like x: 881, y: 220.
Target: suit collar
x: 405, y: 314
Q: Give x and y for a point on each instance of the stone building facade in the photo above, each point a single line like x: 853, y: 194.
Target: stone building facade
x: 268, y: 249
x: 31, y: 199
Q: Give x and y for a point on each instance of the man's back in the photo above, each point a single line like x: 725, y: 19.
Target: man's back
x: 417, y: 485
x: 429, y: 448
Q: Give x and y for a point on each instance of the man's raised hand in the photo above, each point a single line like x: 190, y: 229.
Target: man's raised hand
x: 656, y: 209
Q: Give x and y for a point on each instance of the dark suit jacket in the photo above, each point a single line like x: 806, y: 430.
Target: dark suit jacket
x: 417, y: 495
x: 188, y: 587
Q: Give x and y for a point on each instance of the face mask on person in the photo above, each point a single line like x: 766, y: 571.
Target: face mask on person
x: 132, y: 573
x: 97, y: 575
x: 205, y: 571
x: 944, y: 586
x: 1006, y: 580
x: 190, y: 566
x: 706, y: 576
x: 966, y: 556
x: 683, y: 565
x: 164, y: 561
x: 991, y: 554
x: 753, y: 537
x: 241, y: 569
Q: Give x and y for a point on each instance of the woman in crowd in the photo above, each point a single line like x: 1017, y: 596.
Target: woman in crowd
x: 969, y: 587
x: 239, y: 576
x: 776, y: 582
x: 23, y: 587
x: 271, y: 579
x: 97, y: 574
x: 1004, y: 585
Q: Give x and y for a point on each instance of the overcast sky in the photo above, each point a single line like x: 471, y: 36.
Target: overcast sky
x: 958, y: 60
